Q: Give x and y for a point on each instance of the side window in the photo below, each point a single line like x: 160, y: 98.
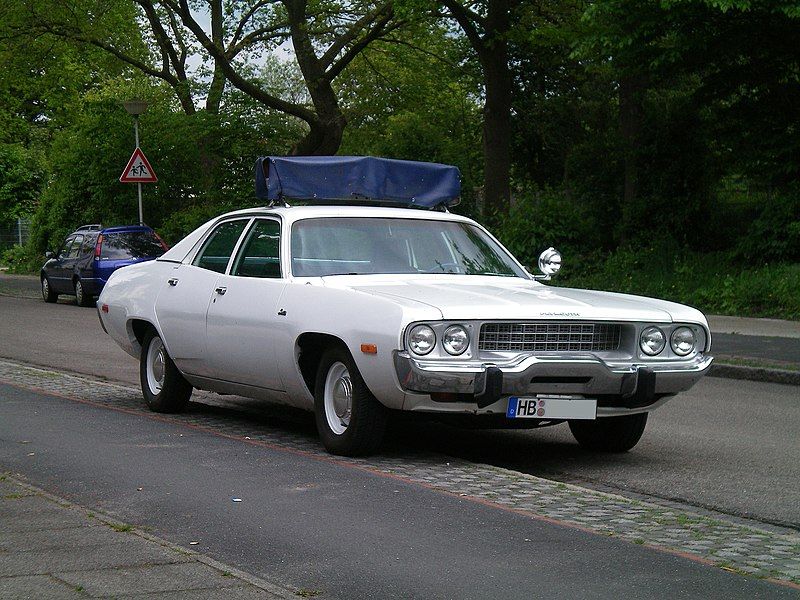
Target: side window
x: 219, y: 246
x: 88, y: 245
x: 75, y: 247
x: 260, y: 253
x: 64, y: 252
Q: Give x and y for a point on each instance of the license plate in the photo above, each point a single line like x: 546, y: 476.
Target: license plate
x: 551, y: 407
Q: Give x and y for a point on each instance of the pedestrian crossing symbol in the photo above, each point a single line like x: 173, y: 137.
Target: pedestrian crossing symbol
x: 138, y: 169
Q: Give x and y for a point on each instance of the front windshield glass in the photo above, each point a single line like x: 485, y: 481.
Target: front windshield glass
x: 360, y: 246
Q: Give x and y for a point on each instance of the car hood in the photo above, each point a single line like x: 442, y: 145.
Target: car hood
x: 472, y: 297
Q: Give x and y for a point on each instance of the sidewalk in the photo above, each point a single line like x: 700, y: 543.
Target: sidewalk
x: 50, y: 548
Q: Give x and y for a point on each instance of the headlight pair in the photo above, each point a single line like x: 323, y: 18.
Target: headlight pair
x: 652, y: 341
x: 422, y: 340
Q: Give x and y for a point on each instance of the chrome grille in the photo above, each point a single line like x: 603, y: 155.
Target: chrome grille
x: 550, y: 337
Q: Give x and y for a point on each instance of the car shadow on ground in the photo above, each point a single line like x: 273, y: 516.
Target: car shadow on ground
x: 544, y: 451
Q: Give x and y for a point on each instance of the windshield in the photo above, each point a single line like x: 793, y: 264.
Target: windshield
x: 130, y: 244
x: 358, y: 246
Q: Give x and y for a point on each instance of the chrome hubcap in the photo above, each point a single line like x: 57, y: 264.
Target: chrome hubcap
x: 338, y: 398
x: 156, y: 365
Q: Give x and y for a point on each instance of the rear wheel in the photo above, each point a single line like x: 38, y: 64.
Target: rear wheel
x: 610, y: 434
x: 81, y: 297
x: 164, y: 388
x: 350, y: 420
x: 47, y: 292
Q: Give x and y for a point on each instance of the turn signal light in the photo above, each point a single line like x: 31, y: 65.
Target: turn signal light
x: 369, y: 348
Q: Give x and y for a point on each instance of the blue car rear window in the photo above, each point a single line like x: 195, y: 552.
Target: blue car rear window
x: 130, y: 245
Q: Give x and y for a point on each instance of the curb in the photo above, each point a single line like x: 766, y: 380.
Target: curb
x: 762, y: 374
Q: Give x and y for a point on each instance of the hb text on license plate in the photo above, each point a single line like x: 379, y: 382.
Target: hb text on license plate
x: 551, y: 407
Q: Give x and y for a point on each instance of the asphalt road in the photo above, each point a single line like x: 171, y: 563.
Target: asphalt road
x: 727, y: 445
x: 331, y: 529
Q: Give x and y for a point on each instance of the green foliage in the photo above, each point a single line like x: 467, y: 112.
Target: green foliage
x: 22, y: 259
x: 774, y: 235
x: 204, y: 164
x: 22, y: 175
x: 714, y: 282
x: 540, y: 219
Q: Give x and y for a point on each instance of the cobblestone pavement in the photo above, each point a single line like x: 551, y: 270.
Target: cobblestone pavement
x: 768, y: 553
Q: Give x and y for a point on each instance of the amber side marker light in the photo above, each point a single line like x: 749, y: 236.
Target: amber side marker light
x: 369, y: 348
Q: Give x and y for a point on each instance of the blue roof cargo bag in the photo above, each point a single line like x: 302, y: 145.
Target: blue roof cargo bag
x: 357, y: 178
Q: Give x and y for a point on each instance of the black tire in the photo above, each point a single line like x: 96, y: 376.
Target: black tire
x: 366, y: 424
x: 610, y: 434
x: 48, y: 295
x: 81, y: 297
x: 173, y: 395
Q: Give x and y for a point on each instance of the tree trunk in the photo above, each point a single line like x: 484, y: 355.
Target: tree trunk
x: 497, y: 129
x: 631, y: 89
x: 217, y: 87
x: 325, y: 135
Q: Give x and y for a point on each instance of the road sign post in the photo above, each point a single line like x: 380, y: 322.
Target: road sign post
x: 138, y: 171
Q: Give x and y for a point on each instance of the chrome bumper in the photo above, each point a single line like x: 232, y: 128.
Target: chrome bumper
x: 587, y: 376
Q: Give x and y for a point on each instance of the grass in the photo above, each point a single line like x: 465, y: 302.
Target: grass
x: 121, y: 528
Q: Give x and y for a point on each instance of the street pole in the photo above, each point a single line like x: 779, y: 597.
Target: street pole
x: 138, y: 184
x: 135, y: 108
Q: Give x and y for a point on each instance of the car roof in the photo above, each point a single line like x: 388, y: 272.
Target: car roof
x: 292, y: 214
x: 299, y: 212
x: 126, y: 228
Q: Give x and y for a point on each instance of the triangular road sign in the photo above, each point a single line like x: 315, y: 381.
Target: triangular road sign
x: 138, y: 169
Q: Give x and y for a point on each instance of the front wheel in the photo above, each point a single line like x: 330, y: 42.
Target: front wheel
x: 610, y: 434
x: 164, y: 388
x: 350, y: 420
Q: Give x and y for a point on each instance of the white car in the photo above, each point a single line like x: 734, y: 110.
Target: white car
x: 357, y: 311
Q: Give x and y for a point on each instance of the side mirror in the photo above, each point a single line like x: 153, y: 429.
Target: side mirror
x: 549, y: 264
x: 49, y: 254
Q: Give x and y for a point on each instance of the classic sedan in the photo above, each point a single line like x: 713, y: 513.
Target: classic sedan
x: 354, y: 312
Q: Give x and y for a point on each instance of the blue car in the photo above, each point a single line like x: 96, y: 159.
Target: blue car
x: 90, y: 254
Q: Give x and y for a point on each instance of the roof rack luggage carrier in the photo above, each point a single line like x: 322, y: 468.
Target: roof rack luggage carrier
x: 327, y: 179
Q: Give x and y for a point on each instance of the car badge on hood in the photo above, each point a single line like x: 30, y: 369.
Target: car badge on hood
x: 559, y: 314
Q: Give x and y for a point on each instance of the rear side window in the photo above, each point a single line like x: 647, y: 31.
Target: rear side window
x: 218, y: 248
x: 260, y: 253
x: 75, y: 247
x: 130, y: 245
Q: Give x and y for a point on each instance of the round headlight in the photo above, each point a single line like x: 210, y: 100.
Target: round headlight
x: 455, y: 340
x: 683, y: 341
x: 652, y: 341
x: 421, y: 340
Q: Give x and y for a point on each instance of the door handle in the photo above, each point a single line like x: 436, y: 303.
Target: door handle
x: 173, y: 282
x: 221, y: 290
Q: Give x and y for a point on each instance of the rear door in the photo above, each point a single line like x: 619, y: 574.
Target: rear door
x: 243, y: 321
x: 183, y: 301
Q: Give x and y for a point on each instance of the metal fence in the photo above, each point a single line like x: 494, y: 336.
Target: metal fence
x: 16, y: 235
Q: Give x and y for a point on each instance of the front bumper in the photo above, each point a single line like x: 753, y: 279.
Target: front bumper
x: 588, y: 376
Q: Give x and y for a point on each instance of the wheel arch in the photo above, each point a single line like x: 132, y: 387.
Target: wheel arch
x: 137, y: 328
x: 309, y: 348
